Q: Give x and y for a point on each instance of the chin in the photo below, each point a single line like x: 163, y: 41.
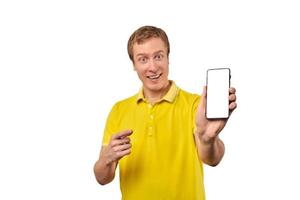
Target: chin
x: 156, y: 86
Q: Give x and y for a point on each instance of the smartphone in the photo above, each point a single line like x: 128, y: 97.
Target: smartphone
x: 217, y: 102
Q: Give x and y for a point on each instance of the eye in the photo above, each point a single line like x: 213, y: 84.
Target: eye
x: 158, y: 57
x: 143, y: 59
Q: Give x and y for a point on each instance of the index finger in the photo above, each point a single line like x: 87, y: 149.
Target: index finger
x: 122, y: 134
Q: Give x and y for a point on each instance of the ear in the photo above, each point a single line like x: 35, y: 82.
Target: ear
x: 133, y: 66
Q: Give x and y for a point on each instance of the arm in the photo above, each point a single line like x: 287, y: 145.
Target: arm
x: 209, y: 146
x: 103, y: 169
x: 211, y: 152
x: 118, y: 147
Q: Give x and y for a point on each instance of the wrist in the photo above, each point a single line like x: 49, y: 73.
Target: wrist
x: 107, y: 160
x: 206, y: 138
x: 110, y: 162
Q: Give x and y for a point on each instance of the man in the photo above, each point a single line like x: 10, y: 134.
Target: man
x: 160, y: 137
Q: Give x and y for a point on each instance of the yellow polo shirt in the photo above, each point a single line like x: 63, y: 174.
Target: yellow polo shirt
x: 163, y: 164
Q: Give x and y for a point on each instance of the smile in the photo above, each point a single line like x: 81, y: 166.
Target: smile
x: 154, y: 76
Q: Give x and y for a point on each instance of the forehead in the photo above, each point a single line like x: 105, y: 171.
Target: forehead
x: 149, y: 46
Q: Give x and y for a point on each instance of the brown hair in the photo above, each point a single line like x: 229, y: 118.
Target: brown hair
x: 144, y: 33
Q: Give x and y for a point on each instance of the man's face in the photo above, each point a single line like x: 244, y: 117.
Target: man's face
x: 151, y: 63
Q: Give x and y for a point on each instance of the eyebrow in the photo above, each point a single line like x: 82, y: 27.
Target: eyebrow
x: 156, y: 52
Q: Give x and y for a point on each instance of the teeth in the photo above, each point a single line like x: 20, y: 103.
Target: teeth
x: 154, y: 76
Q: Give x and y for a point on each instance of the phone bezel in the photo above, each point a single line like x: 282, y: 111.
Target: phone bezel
x: 229, y: 78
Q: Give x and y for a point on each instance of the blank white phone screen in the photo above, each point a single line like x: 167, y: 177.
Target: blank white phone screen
x: 218, y: 83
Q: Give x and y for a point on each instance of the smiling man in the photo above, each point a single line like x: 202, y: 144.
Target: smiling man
x: 160, y: 137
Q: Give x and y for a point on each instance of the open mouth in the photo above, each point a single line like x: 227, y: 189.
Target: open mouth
x: 153, y: 77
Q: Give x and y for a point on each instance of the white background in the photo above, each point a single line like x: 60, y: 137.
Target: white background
x: 64, y: 63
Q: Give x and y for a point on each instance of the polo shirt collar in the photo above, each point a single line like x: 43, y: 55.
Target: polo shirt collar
x: 169, y: 96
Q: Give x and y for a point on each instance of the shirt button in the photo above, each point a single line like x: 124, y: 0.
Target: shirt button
x: 150, y: 130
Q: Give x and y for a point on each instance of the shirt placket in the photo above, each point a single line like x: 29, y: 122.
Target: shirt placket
x: 150, y: 123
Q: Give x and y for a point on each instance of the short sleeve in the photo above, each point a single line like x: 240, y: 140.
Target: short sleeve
x: 111, y: 126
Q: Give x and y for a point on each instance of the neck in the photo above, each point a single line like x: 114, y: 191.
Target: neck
x: 154, y: 96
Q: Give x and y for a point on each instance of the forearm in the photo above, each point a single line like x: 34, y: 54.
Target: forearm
x: 104, y: 170
x: 210, y: 152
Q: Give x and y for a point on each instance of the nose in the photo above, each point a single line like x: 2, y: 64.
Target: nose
x: 152, y: 66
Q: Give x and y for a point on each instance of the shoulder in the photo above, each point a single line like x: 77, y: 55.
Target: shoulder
x: 125, y: 103
x: 188, y: 97
x: 188, y: 101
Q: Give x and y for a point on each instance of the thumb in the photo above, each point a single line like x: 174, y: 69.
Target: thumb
x: 203, y: 99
